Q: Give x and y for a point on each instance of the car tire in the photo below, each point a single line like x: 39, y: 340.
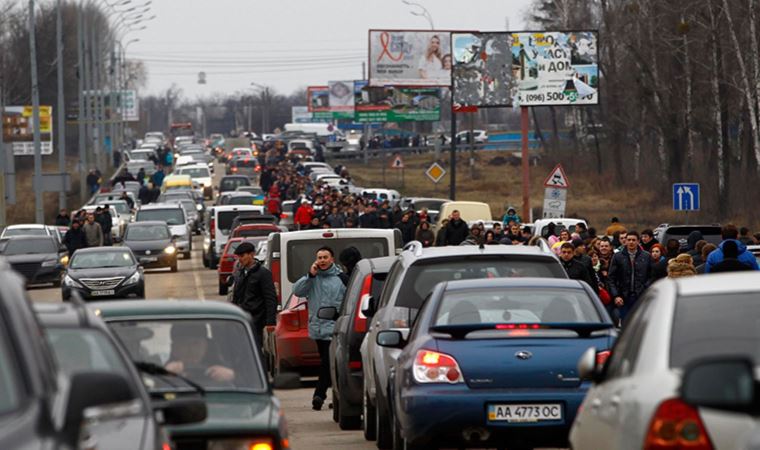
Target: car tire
x: 205, y: 260
x: 398, y: 441
x: 186, y: 255
x: 336, y: 407
x: 65, y: 297
x: 223, y: 289
x: 174, y: 266
x: 368, y: 424
x: 382, y: 427
x: 213, y: 264
x: 346, y: 422
x: 141, y: 294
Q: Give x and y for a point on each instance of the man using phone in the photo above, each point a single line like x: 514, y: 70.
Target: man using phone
x: 323, y: 286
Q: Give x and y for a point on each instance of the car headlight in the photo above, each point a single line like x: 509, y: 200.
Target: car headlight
x: 70, y: 282
x: 199, y: 207
x: 170, y: 250
x: 50, y: 263
x: 241, y: 444
x: 65, y: 260
x: 133, y: 279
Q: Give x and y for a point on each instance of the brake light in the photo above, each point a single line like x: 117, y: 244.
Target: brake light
x: 234, y: 169
x: 434, y: 367
x: 327, y: 235
x: 291, y: 321
x: 602, y: 357
x: 360, y: 320
x: 676, y: 426
x: 260, y: 446
x: 355, y: 365
x: 212, y: 229
x: 284, y: 216
x: 518, y: 326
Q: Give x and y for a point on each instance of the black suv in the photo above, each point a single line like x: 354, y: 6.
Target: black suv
x: 40, y: 408
x: 366, y: 282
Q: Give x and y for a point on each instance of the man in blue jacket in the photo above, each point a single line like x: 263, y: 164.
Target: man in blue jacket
x: 730, y: 233
x: 323, y: 286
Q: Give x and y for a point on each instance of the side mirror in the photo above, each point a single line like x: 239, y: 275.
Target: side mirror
x: 328, y: 313
x: 89, y: 389
x: 230, y: 280
x: 368, y: 306
x: 287, y: 380
x: 117, y: 239
x: 390, y: 338
x: 182, y: 411
x: 175, y: 237
x: 587, y: 366
x: 726, y: 384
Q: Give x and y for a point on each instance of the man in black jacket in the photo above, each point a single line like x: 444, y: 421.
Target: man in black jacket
x: 254, y: 291
x: 575, y: 269
x: 456, y: 230
x: 629, y: 275
x: 74, y: 238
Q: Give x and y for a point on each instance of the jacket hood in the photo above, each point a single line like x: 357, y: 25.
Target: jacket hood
x: 332, y: 271
x: 739, y: 244
x: 512, y: 209
x: 694, y: 237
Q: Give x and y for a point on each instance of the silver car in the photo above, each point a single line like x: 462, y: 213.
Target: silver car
x: 635, y: 401
x: 173, y: 215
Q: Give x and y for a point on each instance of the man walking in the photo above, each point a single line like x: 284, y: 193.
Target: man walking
x: 575, y: 269
x: 63, y: 219
x: 323, y: 286
x: 729, y: 232
x: 254, y: 291
x: 629, y: 275
x: 93, y: 234
x: 456, y: 230
x: 74, y: 238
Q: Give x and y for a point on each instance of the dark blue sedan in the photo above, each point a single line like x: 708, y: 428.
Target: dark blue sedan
x: 492, y: 363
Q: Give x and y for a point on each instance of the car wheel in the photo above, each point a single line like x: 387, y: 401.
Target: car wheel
x: 141, y: 294
x: 204, y: 259
x: 382, y: 426
x: 368, y: 424
x: 346, y: 422
x: 174, y: 266
x: 57, y: 283
x: 213, y: 263
x: 65, y: 297
x: 223, y: 289
x: 336, y: 407
x: 186, y: 255
x: 398, y: 441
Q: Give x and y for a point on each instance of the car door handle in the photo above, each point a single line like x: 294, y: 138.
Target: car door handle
x: 615, y: 401
x: 595, y: 404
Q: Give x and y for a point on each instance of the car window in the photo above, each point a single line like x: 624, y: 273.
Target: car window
x: 93, y: 260
x: 393, y: 278
x: 354, y: 287
x: 172, y: 216
x: 241, y: 200
x: 424, y: 275
x: 230, y: 184
x: 528, y: 305
x: 147, y: 233
x: 626, y: 350
x: 224, y: 220
x: 24, y: 232
x: 715, y: 325
x: 29, y: 246
x: 10, y: 384
x: 77, y: 349
x: 214, y: 353
x: 302, y: 253
x: 195, y: 172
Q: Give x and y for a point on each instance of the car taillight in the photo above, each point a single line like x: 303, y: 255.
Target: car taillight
x: 360, y: 320
x: 275, y: 269
x: 291, y: 321
x: 676, y: 426
x: 212, y: 227
x: 234, y: 169
x: 284, y: 216
x: 602, y: 357
x: 434, y: 367
x: 355, y: 365
x: 257, y: 169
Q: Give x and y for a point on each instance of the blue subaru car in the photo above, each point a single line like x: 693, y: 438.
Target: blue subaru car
x: 492, y: 363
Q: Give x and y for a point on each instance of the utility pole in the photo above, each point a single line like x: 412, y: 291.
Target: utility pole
x: 112, y: 99
x: 39, y: 212
x: 365, y: 126
x: 81, y: 116
x: 61, y: 102
x: 3, y: 156
x: 99, y: 100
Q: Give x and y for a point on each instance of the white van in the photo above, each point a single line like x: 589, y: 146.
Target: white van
x: 541, y: 226
x: 380, y: 195
x: 218, y: 228
x: 291, y: 254
x: 321, y: 129
x: 469, y: 212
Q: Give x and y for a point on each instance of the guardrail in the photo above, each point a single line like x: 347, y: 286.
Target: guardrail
x: 341, y: 153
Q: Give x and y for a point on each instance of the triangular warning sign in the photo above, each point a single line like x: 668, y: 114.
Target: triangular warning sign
x: 397, y: 163
x: 557, y: 178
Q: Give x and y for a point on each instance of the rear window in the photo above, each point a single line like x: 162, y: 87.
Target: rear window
x: 172, y: 216
x: 241, y: 200
x: 420, y: 278
x: 302, y: 253
x: 195, y: 172
x: 224, y: 220
x: 254, y: 233
x: 681, y: 234
x: 30, y: 246
x: 434, y: 205
x: 230, y: 184
x: 715, y: 325
x: 245, y: 163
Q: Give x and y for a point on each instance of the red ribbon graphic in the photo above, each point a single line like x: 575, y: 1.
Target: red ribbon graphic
x: 385, y: 40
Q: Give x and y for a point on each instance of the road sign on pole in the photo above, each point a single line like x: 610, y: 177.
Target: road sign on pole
x: 435, y: 172
x: 557, y: 178
x: 397, y: 163
x: 686, y: 197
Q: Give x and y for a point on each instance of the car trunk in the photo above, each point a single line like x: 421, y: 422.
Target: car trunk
x: 543, y: 362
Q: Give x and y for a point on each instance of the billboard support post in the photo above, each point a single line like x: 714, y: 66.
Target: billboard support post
x: 524, y: 124
x: 453, y: 163
x: 39, y: 216
x: 61, y: 147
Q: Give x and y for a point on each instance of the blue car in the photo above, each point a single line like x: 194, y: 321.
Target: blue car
x: 492, y: 363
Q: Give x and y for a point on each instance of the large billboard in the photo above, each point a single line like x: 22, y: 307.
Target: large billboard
x: 318, y: 98
x: 341, y: 99
x: 393, y: 104
x: 482, y: 74
x: 555, y: 68
x: 409, y: 58
x: 18, y: 129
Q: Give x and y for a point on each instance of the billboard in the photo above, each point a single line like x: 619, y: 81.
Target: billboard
x: 393, y: 104
x: 341, y: 99
x: 300, y: 114
x: 129, y: 105
x: 555, y: 68
x: 18, y: 129
x: 318, y: 102
x: 482, y: 74
x: 409, y: 58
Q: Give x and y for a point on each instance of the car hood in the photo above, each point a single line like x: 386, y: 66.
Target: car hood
x: 30, y: 258
x: 101, y: 272
x: 139, y: 246
x: 120, y: 433
x: 234, y: 414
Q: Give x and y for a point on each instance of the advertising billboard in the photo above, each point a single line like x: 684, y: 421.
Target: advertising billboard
x: 129, y: 105
x: 555, y: 68
x: 18, y: 129
x: 318, y: 99
x: 341, y: 99
x: 409, y: 58
x: 482, y: 74
x: 393, y: 104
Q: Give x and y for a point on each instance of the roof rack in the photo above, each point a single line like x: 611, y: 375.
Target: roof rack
x: 415, y: 247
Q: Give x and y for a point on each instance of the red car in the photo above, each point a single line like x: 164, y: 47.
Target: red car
x: 255, y: 230
x: 289, y: 347
x: 229, y: 259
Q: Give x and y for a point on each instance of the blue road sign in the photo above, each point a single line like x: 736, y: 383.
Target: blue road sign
x: 686, y: 196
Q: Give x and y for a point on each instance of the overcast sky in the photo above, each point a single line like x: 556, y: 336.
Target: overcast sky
x: 286, y: 44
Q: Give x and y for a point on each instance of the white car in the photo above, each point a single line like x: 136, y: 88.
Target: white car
x: 200, y: 174
x: 117, y: 225
x: 635, y: 402
x: 26, y: 229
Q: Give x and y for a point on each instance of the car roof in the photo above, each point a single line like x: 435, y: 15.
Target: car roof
x: 235, y: 176
x: 506, y: 283
x: 194, y: 166
x: 465, y: 250
x: 23, y: 226
x: 147, y: 223
x: 164, y: 205
x: 29, y: 238
x: 239, y: 194
x: 718, y: 284
x: 167, y: 309
x: 382, y: 264
x: 105, y: 249
x: 65, y: 315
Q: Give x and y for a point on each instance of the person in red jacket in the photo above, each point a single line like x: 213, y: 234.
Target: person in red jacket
x: 273, y: 201
x: 304, y: 214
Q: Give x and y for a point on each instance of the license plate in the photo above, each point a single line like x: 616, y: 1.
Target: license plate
x: 99, y: 293
x: 148, y: 260
x: 525, y: 413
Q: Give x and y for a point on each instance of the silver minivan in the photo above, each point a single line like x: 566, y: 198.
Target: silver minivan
x: 174, y: 216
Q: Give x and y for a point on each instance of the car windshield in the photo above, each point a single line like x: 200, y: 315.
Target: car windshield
x: 24, y: 232
x: 433, y: 205
x: 525, y: 305
x: 301, y: 253
x: 423, y: 276
x: 241, y: 200
x: 195, y: 172
x: 152, y: 233
x: 97, y: 260
x: 230, y: 184
x: 172, y: 216
x: 29, y: 246
x: 11, y: 387
x: 78, y: 349
x: 254, y: 232
x: 140, y: 156
x: 216, y: 354
x: 121, y: 208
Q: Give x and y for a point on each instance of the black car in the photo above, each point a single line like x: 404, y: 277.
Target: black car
x: 99, y: 272
x: 39, y: 406
x: 152, y: 244
x: 39, y: 259
x: 231, y: 182
x: 367, y: 281
x: 81, y: 341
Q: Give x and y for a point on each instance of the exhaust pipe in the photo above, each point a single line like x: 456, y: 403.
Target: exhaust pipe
x: 476, y: 434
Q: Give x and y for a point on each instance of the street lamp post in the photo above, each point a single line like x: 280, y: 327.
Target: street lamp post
x: 423, y: 12
x: 266, y: 99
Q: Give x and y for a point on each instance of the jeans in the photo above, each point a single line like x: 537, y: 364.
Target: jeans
x: 324, y: 381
